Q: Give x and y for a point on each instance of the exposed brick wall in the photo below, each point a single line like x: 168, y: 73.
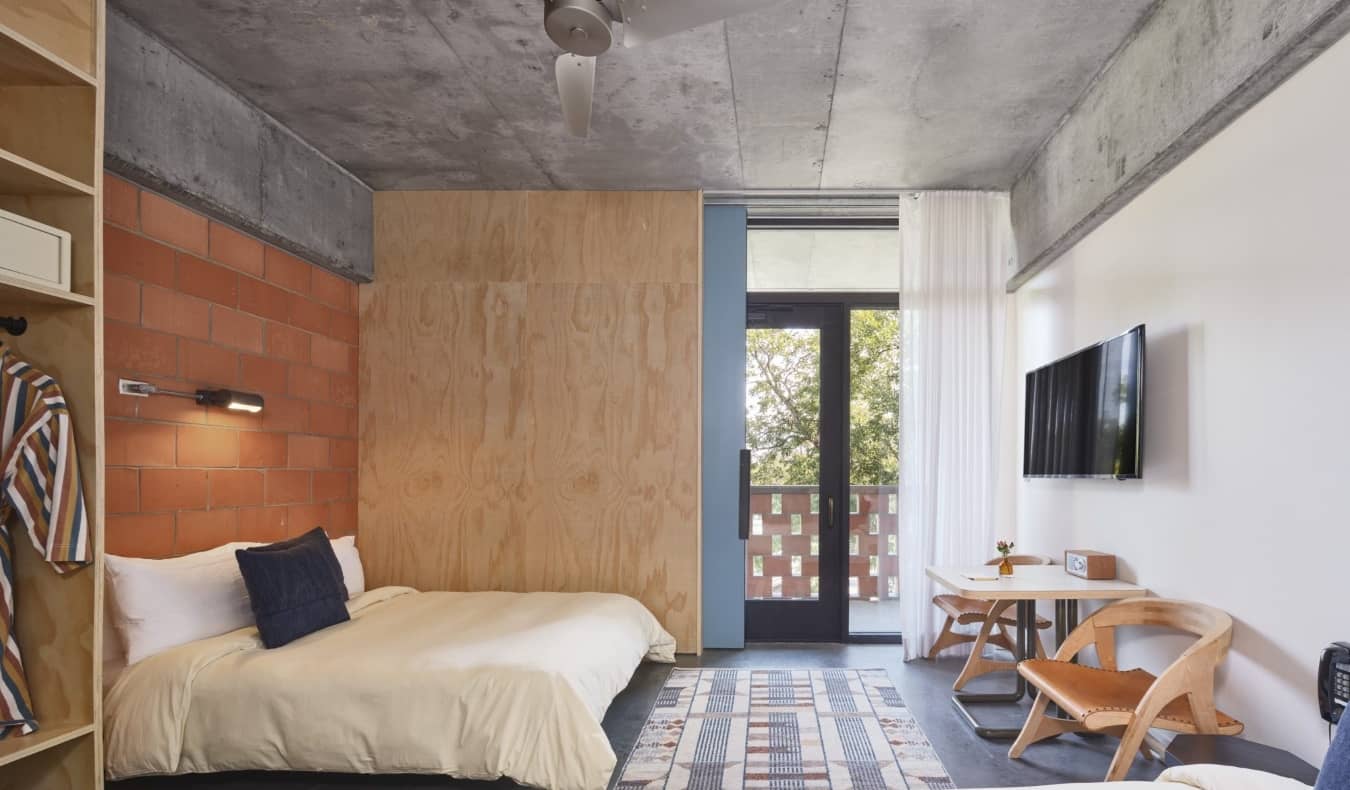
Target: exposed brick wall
x: 192, y: 303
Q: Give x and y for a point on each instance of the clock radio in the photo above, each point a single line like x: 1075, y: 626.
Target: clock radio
x: 1090, y: 564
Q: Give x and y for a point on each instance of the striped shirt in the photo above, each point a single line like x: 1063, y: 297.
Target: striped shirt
x: 39, y: 488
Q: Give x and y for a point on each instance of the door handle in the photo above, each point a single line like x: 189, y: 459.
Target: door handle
x: 743, y: 521
x: 829, y: 512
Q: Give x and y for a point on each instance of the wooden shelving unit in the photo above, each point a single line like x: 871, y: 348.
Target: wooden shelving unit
x: 51, y: 170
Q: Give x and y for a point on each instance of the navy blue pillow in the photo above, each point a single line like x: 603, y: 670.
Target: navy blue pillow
x: 294, y: 587
x: 1335, y: 774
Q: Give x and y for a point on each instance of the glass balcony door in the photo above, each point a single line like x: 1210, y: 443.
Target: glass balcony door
x: 822, y: 403
x: 794, y: 397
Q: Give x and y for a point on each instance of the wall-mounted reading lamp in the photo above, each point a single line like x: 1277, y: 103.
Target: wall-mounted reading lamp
x: 230, y: 399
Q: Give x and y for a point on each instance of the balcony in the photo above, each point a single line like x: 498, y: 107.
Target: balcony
x: 782, y: 554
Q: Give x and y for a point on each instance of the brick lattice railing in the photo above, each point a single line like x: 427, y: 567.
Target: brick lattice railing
x: 788, y: 517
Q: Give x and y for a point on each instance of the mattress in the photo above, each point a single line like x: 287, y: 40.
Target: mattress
x: 472, y: 685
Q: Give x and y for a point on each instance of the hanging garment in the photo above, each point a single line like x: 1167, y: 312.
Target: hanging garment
x: 39, y: 488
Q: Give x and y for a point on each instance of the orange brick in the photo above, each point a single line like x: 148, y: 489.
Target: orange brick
x: 262, y: 374
x: 259, y: 298
x: 116, y: 404
x: 302, y: 518
x: 329, y: 419
x: 332, y: 485
x: 169, y: 222
x: 344, y: 327
x: 236, y: 250
x: 234, y: 487
x: 306, y: 452
x: 199, y: 446
x: 342, y: 390
x: 259, y: 449
x: 121, y: 202
x: 140, y: 535
x: 344, y: 453
x: 287, y: 343
x: 262, y: 524
x: 175, y: 313
x: 287, y: 270
x: 286, y: 486
x: 172, y: 489
x: 207, y: 280
x: 342, y: 519
x: 332, y: 290
x: 235, y: 329
x: 139, y: 443
x: 123, y: 492
x: 208, y: 365
x: 168, y: 408
x: 137, y: 257
x: 130, y: 348
x: 122, y: 299
x: 330, y: 354
x: 199, y: 530
x: 285, y: 414
x: 308, y: 383
x: 309, y: 314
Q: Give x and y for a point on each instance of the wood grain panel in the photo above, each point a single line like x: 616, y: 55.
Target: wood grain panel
x: 451, y: 236
x: 613, y: 237
x: 538, y: 431
x: 69, y: 29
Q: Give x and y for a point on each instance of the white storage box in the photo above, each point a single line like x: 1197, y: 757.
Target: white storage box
x: 33, y: 252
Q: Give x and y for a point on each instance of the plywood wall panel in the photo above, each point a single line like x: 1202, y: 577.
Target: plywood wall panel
x: 538, y: 431
x: 451, y: 236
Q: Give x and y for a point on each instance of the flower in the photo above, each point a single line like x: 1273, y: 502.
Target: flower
x: 1004, y: 547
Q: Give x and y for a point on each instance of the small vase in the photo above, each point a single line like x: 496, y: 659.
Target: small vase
x: 1005, y: 568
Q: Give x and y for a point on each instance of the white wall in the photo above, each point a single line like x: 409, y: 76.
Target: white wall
x: 1239, y: 263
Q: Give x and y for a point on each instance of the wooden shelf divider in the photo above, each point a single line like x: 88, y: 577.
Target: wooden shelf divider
x: 15, y: 748
x: 52, y: 81
x: 25, y: 62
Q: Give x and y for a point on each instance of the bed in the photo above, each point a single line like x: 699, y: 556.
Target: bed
x: 472, y: 685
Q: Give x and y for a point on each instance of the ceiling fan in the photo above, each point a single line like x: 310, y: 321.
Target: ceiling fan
x: 586, y: 28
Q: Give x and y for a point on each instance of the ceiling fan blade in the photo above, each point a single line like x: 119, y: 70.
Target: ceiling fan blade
x: 576, y: 89
x: 647, y: 20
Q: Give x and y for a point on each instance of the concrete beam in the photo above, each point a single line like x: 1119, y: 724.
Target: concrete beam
x: 172, y: 127
x: 1189, y: 70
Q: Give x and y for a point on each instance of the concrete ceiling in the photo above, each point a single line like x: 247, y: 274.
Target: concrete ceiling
x: 831, y: 94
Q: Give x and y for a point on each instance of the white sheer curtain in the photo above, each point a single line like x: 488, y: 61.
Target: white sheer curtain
x: 955, y: 250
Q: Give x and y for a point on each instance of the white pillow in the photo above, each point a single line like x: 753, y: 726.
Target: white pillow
x: 159, y: 604
x: 353, y: 575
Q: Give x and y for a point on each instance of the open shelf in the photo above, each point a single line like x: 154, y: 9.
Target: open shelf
x: 24, y: 62
x: 13, y: 290
x: 18, y: 747
x: 19, y: 176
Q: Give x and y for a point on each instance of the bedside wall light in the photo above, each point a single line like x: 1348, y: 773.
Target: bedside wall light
x: 233, y: 400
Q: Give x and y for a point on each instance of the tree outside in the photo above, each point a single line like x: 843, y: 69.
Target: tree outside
x: 783, y: 402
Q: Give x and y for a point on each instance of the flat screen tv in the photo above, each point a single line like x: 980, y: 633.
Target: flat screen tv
x: 1084, y: 413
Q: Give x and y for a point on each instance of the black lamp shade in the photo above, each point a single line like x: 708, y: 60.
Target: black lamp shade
x: 231, y: 399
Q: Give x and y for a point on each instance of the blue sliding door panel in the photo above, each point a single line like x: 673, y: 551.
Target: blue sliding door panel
x: 724, y: 282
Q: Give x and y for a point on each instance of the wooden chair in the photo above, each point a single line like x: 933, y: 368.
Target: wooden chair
x: 990, y: 615
x: 1127, y: 703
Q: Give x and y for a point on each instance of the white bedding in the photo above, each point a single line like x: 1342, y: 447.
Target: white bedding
x: 1194, y: 777
x: 474, y: 685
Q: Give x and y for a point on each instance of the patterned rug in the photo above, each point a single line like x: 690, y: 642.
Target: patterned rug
x: 782, y: 729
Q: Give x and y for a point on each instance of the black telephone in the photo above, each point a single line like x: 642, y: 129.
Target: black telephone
x: 1333, y: 681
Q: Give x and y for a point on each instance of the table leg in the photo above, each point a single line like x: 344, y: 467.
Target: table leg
x: 1026, y: 645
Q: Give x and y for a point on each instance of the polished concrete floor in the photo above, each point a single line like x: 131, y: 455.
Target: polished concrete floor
x: 925, y: 686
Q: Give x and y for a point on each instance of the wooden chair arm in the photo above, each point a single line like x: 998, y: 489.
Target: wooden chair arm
x: 1089, y: 634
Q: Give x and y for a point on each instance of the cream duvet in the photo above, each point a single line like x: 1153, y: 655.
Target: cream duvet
x: 473, y: 685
